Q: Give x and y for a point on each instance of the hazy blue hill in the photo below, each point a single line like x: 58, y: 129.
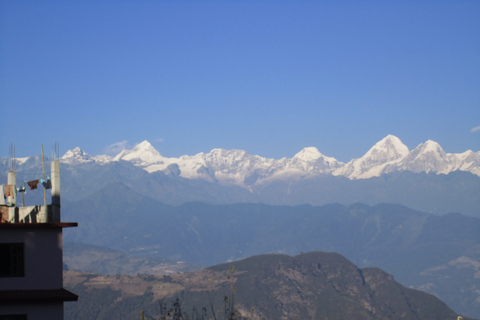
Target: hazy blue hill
x: 111, y: 216
x: 428, y: 192
x: 404, y: 242
x: 81, y: 181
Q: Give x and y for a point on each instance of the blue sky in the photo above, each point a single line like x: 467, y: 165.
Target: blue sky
x: 269, y: 77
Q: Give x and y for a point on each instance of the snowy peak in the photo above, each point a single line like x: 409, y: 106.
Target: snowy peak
x: 222, y: 156
x: 388, y: 149
x: 377, y: 160
x: 311, y: 161
x: 241, y: 168
x: 76, y: 155
x: 431, y: 147
x: 144, y: 145
x: 308, y: 154
x: 142, y: 154
x: 466, y: 161
x: 426, y: 157
x: 429, y: 150
x: 226, y: 166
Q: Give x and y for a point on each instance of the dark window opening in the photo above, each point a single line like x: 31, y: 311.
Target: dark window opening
x: 12, y: 261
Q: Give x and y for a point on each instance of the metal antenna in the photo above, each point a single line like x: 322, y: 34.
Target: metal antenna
x: 56, y: 151
x: 12, y: 158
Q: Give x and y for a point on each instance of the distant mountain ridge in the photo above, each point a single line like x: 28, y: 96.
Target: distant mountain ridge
x: 241, y: 168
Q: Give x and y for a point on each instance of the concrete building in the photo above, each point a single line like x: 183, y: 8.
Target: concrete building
x: 31, y: 259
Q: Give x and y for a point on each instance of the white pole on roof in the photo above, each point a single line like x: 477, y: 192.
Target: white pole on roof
x: 44, y: 189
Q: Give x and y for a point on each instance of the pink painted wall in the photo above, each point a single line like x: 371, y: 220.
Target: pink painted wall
x: 43, y: 258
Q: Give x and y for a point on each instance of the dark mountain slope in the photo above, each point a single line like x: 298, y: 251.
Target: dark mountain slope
x: 315, y: 285
x: 320, y: 285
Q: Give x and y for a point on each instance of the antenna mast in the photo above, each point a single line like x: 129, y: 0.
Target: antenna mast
x: 11, y: 162
x: 56, y: 151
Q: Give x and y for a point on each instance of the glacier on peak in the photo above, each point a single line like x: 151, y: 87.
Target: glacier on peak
x: 378, y: 160
x: 143, y: 154
x: 426, y: 157
x: 388, y: 149
x: 77, y: 152
x: 466, y: 161
x: 309, y: 160
x: 75, y: 156
x: 308, y: 154
x: 241, y: 168
x: 222, y: 156
x: 430, y: 146
x: 226, y: 166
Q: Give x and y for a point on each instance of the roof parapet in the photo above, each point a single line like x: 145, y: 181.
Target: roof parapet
x: 11, y: 213
x: 31, y: 214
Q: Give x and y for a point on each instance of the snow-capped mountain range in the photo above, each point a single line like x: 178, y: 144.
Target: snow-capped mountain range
x: 241, y: 168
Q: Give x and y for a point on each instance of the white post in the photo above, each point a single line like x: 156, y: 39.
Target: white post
x: 12, y: 180
x: 42, y: 216
x: 55, y: 172
x: 43, y: 170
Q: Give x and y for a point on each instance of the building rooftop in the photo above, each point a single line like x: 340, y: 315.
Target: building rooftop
x: 51, y: 295
x: 10, y: 212
x: 46, y: 225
